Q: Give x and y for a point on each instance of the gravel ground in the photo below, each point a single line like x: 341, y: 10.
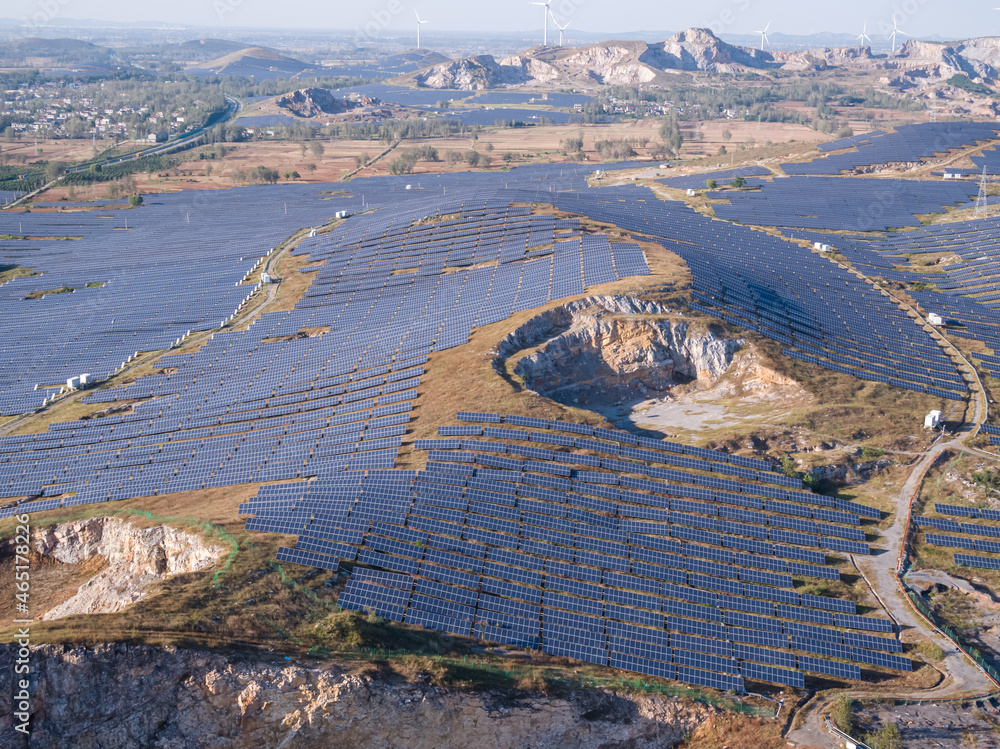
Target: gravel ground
x: 928, y: 726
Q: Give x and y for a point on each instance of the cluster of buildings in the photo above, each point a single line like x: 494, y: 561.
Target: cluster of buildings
x: 37, y: 110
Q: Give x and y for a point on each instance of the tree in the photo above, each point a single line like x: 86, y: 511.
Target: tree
x: 316, y: 149
x: 291, y: 174
x: 739, y: 182
x: 311, y: 167
x: 711, y: 184
x: 572, y: 145
x: 789, y: 469
x: 614, y: 149
x: 843, y: 713
x: 670, y: 134
x: 726, y: 135
x: 506, y: 157
x: 887, y: 737
x: 658, y: 151
x: 403, y: 164
x: 134, y: 200
x: 361, y: 160
x: 722, y: 151
x: 54, y: 170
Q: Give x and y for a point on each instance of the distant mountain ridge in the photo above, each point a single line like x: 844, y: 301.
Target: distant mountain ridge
x: 624, y: 62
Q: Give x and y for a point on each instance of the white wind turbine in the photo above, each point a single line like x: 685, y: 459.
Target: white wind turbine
x: 763, y: 36
x: 545, y: 20
x: 864, y: 35
x: 561, y: 28
x: 419, y: 24
x: 896, y: 30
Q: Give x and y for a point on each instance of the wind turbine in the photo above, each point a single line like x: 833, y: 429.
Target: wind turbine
x: 561, y: 28
x: 864, y: 35
x: 419, y: 24
x: 763, y: 36
x: 895, y: 30
x: 545, y: 20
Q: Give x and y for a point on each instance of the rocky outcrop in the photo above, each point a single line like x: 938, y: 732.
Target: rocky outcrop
x: 700, y: 49
x: 175, y: 699
x: 617, y: 356
x: 312, y: 102
x: 612, y: 62
x: 610, y: 346
x: 850, y: 474
x: 485, y: 71
x: 693, y: 50
x: 136, y: 559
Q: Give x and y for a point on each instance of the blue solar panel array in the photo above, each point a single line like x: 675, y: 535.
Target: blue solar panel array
x: 841, y: 203
x: 908, y: 143
x: 538, y: 547
x: 978, y: 537
x: 267, y: 403
x: 822, y: 313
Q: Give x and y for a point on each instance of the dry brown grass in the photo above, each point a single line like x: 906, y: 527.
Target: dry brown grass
x: 735, y: 732
x: 293, y: 283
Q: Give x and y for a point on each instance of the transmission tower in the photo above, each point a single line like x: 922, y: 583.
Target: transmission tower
x: 982, y: 205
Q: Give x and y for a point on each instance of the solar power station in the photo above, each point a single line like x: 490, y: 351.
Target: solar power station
x: 645, y: 555
x: 974, y: 540
x: 654, y: 557
x: 908, y: 144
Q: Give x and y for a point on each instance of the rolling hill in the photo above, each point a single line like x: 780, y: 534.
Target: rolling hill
x: 254, y: 62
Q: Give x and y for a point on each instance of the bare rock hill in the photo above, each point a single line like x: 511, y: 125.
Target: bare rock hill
x: 693, y: 50
x: 122, y: 697
x: 612, y: 62
x: 311, y: 102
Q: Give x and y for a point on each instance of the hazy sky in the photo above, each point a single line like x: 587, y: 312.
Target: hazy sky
x: 917, y: 17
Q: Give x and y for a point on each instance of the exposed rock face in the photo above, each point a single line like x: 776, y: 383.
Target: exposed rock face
x: 636, y: 62
x: 602, y: 345
x: 700, y: 49
x: 613, y: 62
x: 176, y: 699
x: 851, y: 474
x: 312, y: 102
x: 137, y: 558
x: 485, y: 71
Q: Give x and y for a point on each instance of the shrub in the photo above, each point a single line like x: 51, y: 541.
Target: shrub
x: 842, y: 714
x: 887, y: 737
x: 788, y: 467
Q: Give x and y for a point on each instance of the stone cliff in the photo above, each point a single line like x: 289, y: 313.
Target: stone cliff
x: 611, y: 345
x: 123, y: 697
x: 136, y: 559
